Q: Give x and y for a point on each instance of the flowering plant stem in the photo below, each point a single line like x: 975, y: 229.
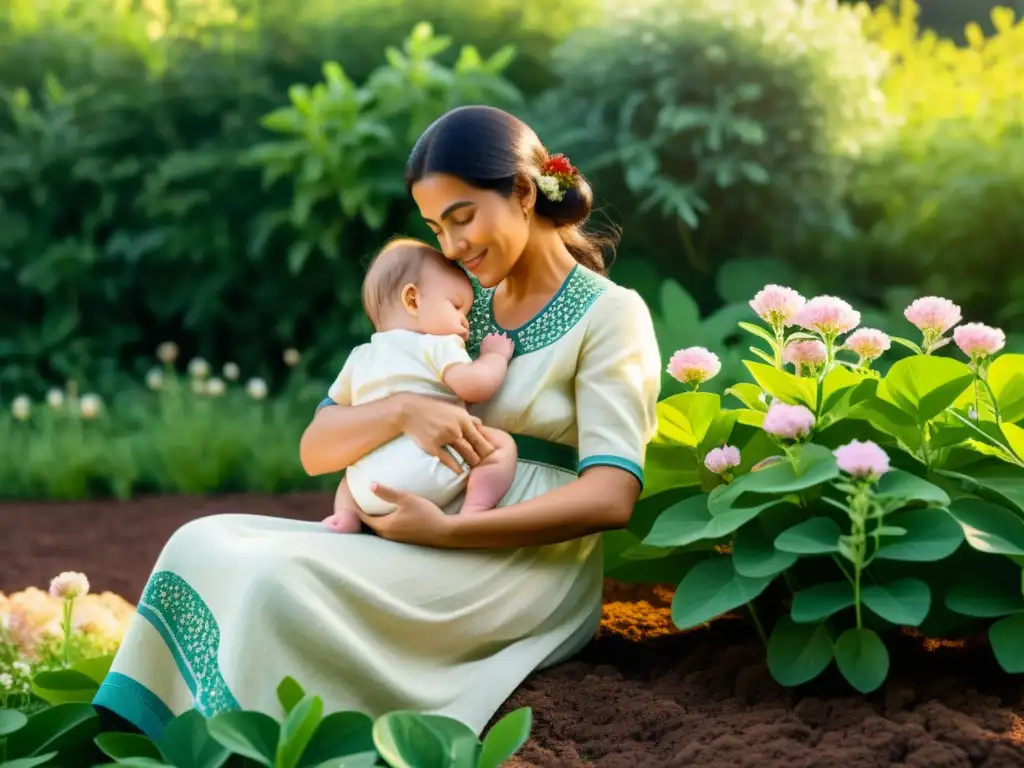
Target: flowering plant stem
x: 69, y: 604
x: 987, y: 437
x: 862, y: 509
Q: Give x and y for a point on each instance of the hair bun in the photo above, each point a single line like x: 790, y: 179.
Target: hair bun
x: 573, y: 208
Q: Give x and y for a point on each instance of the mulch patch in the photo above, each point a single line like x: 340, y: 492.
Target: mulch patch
x: 643, y: 695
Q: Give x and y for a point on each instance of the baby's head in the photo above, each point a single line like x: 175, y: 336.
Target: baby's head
x: 413, y: 286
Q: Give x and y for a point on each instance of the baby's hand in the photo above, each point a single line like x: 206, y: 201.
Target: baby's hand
x: 498, y: 344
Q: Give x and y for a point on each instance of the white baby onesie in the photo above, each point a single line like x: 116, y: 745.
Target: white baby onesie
x: 392, y: 362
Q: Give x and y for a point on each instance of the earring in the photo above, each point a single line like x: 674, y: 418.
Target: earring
x: 526, y: 213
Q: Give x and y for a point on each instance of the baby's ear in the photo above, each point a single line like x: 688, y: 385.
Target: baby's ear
x: 411, y: 299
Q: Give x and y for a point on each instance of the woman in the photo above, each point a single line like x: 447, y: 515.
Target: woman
x: 437, y: 612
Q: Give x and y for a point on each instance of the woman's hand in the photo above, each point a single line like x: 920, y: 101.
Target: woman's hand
x: 434, y: 424
x: 415, y: 521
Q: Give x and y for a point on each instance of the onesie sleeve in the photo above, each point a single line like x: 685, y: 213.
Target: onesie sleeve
x: 340, y: 392
x: 444, y: 352
x: 618, y: 381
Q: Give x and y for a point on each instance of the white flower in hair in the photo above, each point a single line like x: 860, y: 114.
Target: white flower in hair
x: 550, y: 188
x: 558, y: 176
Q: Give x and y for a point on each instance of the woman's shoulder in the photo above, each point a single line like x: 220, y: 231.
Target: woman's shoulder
x: 612, y: 299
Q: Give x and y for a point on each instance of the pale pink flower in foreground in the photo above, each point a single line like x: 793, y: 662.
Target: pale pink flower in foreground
x: 864, y: 460
x: 722, y: 459
x: 979, y: 341
x: 776, y: 305
x: 789, y: 422
x: 694, y: 365
x: 828, y: 315
x: 809, y: 353
x: 69, y: 584
x: 933, y: 314
x: 868, y: 343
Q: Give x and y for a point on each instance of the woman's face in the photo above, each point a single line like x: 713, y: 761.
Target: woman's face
x: 482, y: 230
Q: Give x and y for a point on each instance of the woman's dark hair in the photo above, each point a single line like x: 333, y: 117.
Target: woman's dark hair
x: 491, y: 149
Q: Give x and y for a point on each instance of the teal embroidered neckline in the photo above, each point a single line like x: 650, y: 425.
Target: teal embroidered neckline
x: 579, y: 290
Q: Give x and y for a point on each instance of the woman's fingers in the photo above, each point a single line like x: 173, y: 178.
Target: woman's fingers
x: 445, y: 457
x: 466, y: 450
x: 476, y: 439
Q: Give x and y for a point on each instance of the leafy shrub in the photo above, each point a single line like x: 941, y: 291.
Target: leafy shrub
x: 131, y: 210
x: 721, y: 125
x: 922, y: 526
x: 68, y: 734
x: 938, y: 202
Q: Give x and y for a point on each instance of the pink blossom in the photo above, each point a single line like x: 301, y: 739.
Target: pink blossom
x: 776, y: 304
x: 977, y: 340
x: 868, y: 343
x: 69, y: 584
x: 694, y: 365
x: 809, y: 353
x: 864, y: 460
x: 790, y: 422
x: 932, y: 314
x: 828, y: 315
x: 722, y: 459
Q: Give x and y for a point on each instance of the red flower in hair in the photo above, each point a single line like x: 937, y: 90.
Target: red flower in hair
x: 559, y: 165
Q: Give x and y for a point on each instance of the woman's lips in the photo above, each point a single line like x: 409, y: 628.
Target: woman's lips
x: 471, y: 264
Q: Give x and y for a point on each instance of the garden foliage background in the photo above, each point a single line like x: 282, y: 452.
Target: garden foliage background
x: 214, y: 173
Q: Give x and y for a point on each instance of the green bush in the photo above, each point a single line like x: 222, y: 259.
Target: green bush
x: 759, y: 505
x: 937, y: 205
x: 713, y: 128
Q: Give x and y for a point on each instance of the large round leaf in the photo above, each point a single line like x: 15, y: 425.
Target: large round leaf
x: 1006, y: 377
x: 252, y: 734
x: 755, y: 556
x: 923, y: 386
x: 711, y: 589
x: 862, y: 659
x: 505, y: 738
x: 815, y: 604
x: 798, y: 653
x: 685, y: 419
x: 1005, y: 637
x: 681, y: 524
x: 783, y: 385
x: 931, y: 534
x: 904, y: 601
x: 989, y: 527
x: 984, y: 595
x: 811, y: 465
x: 11, y: 720
x: 817, y: 536
x: 904, y: 485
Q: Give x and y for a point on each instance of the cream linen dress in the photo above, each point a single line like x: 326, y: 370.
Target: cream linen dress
x: 237, y: 602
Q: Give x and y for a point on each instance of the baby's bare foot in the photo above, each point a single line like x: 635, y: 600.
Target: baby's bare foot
x: 343, y: 522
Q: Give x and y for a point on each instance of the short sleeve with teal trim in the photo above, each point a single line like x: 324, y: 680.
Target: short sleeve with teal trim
x: 617, y: 383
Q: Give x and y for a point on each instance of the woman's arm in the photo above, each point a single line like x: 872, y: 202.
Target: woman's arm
x: 601, y: 499
x: 340, y: 435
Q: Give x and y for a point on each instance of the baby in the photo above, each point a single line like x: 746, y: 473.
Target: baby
x: 419, y: 302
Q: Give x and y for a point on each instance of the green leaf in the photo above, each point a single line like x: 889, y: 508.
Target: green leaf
x: 247, y: 733
x: 359, y: 760
x: 748, y: 394
x: 994, y: 480
x: 989, y: 527
x: 889, y: 419
x: 908, y: 344
x: 506, y: 738
x: 759, y: 331
x: 711, y: 589
x: 798, y: 653
x: 127, y: 745
x: 931, y: 534
x: 1006, y: 377
x: 810, y: 465
x: 95, y: 667
x: 784, y: 386
x: 862, y: 659
x: 815, y: 604
x: 409, y: 740
x: 289, y: 693
x: 339, y: 734
x: 186, y: 743
x: 905, y: 602
x: 899, y: 484
x: 835, y: 387
x: 924, y: 386
x: 754, y: 555
x: 686, y: 418
x: 983, y: 596
x: 64, y: 686
x: 29, y: 762
x: 1005, y: 636
x: 11, y: 720
x: 67, y: 728
x: 816, y: 536
x: 681, y: 524
x: 297, y: 730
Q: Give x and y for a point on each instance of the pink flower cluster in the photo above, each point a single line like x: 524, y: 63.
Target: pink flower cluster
x: 788, y: 422
x: 722, y: 459
x: 864, y: 460
x: 805, y: 353
x: 979, y: 341
x: 694, y: 365
x: 827, y: 315
x: 868, y: 343
x: 777, y: 305
x: 932, y: 314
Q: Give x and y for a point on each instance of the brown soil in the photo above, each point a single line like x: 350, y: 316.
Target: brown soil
x: 642, y: 695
